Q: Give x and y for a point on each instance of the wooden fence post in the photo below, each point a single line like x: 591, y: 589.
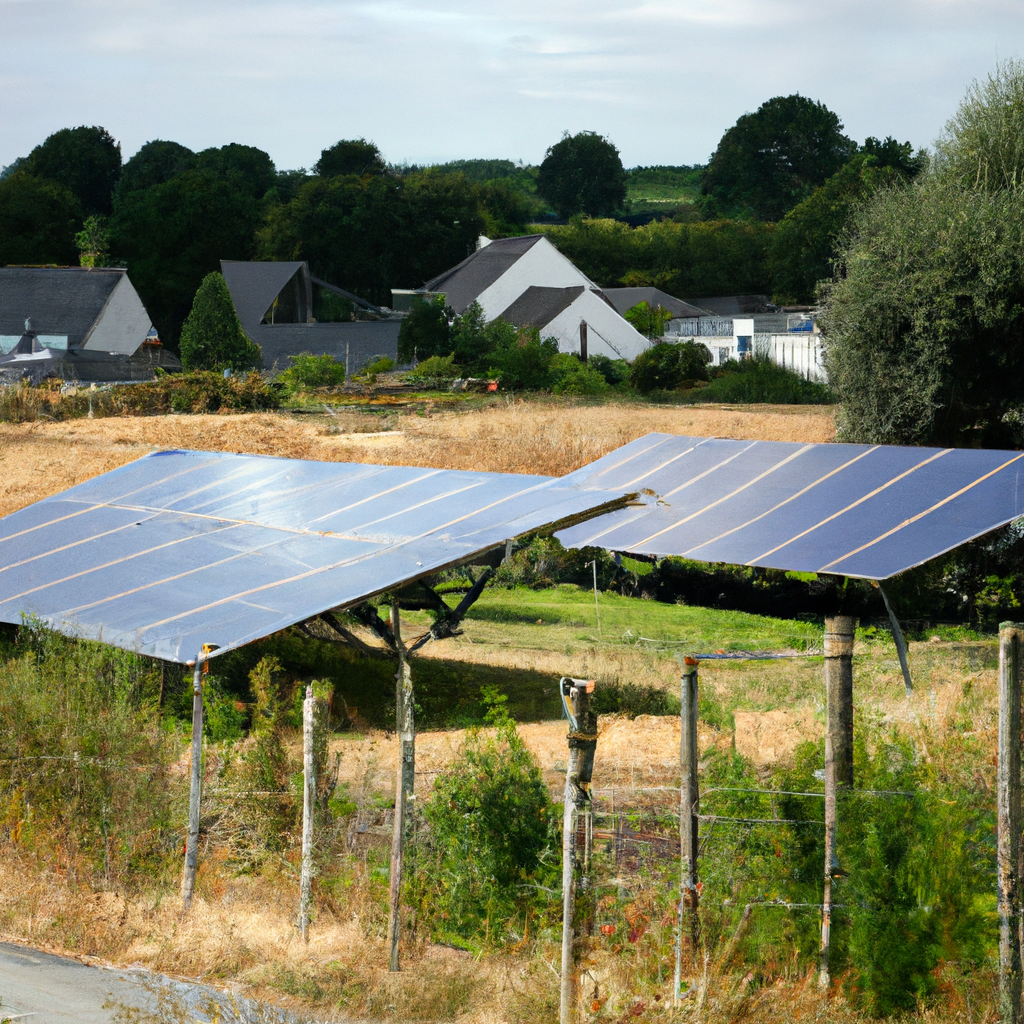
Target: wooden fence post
x: 578, y: 774
x: 839, y: 635
x: 1008, y: 799
x: 188, y: 880
x: 309, y: 710
x: 689, y: 805
x: 405, y: 726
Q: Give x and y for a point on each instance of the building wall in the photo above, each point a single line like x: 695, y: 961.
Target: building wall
x: 608, y: 334
x: 542, y: 264
x: 801, y: 352
x: 122, y: 326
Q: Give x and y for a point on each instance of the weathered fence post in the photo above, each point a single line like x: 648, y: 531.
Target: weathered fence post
x: 689, y: 809
x: 188, y: 879
x: 406, y: 728
x: 309, y: 710
x: 839, y: 634
x: 1008, y: 845
x: 578, y: 774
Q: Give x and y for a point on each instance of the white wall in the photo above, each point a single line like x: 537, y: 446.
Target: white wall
x: 608, y: 334
x: 123, y: 325
x: 541, y: 265
x: 797, y: 351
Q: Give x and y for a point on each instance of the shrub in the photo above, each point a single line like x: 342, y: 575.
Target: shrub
x: 614, y: 371
x: 425, y: 332
x: 382, y: 365
x: 571, y: 377
x: 436, y: 368
x: 489, y: 817
x: 522, y: 361
x: 212, y: 337
x: 663, y: 367
x: 761, y: 380
x: 309, y: 371
x: 199, y: 391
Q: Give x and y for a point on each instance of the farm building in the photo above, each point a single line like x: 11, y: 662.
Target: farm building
x: 75, y: 324
x: 626, y: 298
x: 528, y: 282
x: 287, y: 311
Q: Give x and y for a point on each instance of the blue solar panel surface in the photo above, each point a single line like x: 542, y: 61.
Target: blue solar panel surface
x: 181, y: 549
x: 868, y: 511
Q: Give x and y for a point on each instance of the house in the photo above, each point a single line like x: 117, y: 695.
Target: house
x: 287, y: 311
x: 528, y: 282
x: 624, y: 299
x: 76, y: 324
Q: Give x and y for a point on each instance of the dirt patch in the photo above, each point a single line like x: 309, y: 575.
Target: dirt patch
x: 767, y: 737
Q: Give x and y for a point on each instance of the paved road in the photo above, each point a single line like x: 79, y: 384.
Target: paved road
x: 40, y: 988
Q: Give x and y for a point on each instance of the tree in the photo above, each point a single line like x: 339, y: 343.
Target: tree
x: 171, y: 235
x: 350, y: 156
x: 663, y: 367
x: 772, y: 159
x: 925, y: 320
x: 582, y: 174
x: 212, y: 337
x: 425, y: 331
x: 649, y: 320
x: 86, y: 161
x: 38, y: 219
x: 92, y: 242
x: 249, y: 168
x: 900, y: 156
x: 155, y: 163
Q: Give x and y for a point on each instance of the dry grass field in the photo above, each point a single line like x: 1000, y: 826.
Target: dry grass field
x: 39, y: 458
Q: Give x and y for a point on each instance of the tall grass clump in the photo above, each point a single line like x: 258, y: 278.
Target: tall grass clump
x: 84, y: 761
x: 759, y: 380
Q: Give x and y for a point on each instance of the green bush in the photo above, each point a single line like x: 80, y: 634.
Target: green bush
x: 382, y: 365
x: 489, y: 816
x: 199, y: 391
x: 664, y: 366
x: 212, y: 337
x: 761, y: 380
x: 614, y: 371
x: 435, y: 368
x: 522, y: 361
x: 569, y: 376
x: 425, y: 332
x: 309, y: 371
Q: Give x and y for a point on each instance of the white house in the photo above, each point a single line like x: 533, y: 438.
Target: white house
x: 528, y: 282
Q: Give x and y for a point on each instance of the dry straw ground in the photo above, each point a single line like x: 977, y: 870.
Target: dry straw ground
x: 40, y: 458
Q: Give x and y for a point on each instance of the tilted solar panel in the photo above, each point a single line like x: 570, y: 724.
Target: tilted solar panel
x: 869, y: 511
x: 181, y: 549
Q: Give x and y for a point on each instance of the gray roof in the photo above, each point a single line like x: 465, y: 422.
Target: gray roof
x: 538, y: 306
x: 736, y: 305
x: 476, y: 273
x: 254, y: 286
x: 366, y: 340
x: 60, y: 300
x: 626, y: 298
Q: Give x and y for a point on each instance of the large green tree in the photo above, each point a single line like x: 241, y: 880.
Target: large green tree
x: 212, y: 337
x: 770, y: 160
x: 248, y: 168
x: 38, y: 220
x: 925, y: 322
x: 583, y: 174
x: 172, y: 234
x: 350, y: 156
x: 155, y: 163
x: 86, y: 161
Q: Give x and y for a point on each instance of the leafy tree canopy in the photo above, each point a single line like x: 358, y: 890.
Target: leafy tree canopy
x: 38, y: 218
x: 171, y: 235
x: 649, y: 320
x: 583, y: 174
x: 899, y: 156
x: 665, y: 366
x: 248, y: 167
x: 425, y: 332
x: 350, y: 156
x: 212, y: 337
x: 86, y: 161
x: 156, y: 162
x: 771, y: 159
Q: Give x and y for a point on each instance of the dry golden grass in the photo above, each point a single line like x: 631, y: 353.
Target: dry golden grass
x: 38, y: 459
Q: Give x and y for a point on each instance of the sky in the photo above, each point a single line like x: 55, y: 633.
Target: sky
x: 436, y: 80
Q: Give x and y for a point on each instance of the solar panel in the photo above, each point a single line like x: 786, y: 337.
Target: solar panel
x: 868, y: 511
x: 181, y: 549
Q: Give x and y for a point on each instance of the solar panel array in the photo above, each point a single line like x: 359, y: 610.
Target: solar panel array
x: 181, y: 549
x: 867, y: 511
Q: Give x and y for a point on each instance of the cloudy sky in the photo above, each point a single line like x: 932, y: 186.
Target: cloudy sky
x: 433, y: 80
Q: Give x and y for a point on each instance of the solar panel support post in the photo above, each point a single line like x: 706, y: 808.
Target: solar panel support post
x: 309, y: 710
x: 1008, y: 827
x: 188, y: 879
x: 406, y: 728
x: 578, y: 774
x: 839, y: 635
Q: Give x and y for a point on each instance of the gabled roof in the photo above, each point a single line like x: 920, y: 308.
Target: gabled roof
x: 467, y: 280
x: 254, y: 286
x: 59, y: 300
x: 538, y: 306
x: 626, y: 298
